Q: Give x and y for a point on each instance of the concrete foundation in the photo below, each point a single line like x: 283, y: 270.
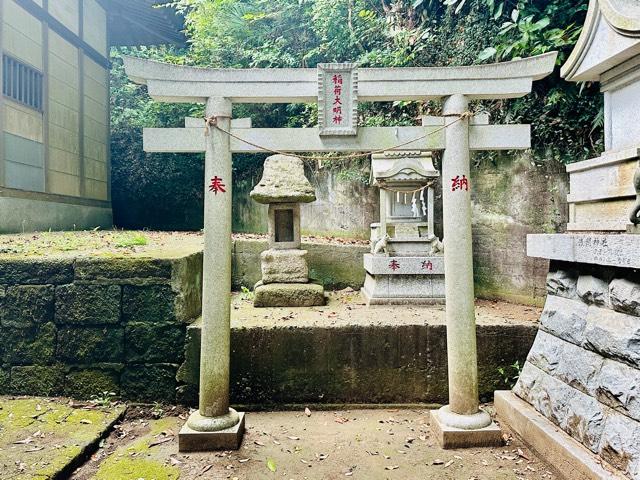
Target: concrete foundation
x: 572, y: 459
x: 29, y: 215
x: 450, y: 437
x: 190, y: 440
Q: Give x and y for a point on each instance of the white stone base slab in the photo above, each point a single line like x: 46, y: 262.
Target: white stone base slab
x: 390, y: 265
x: 190, y: 440
x: 450, y: 437
x: 403, y: 289
x: 616, y: 250
x: 571, y: 458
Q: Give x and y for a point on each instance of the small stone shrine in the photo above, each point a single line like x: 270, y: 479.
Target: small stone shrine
x: 406, y: 263
x: 580, y: 384
x: 285, y: 273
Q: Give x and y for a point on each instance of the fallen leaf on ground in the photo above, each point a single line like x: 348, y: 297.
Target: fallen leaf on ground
x: 293, y: 437
x: 162, y: 440
x: 205, y: 469
x: 271, y: 464
x: 307, y: 412
x: 437, y: 461
x: 392, y: 467
x: 522, y: 454
x: 448, y: 464
x: 259, y: 443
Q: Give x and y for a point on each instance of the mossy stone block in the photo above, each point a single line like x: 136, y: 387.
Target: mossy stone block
x: 288, y: 295
x: 189, y: 372
x: 149, y: 383
x: 27, y: 305
x: 154, y: 342
x: 84, y: 383
x: 152, y: 303
x: 88, y: 304
x: 36, y: 271
x: 187, y: 280
x: 33, y: 345
x: 132, y: 269
x: 37, y: 380
x: 86, y: 345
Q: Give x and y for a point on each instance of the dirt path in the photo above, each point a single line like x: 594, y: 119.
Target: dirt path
x: 364, y: 444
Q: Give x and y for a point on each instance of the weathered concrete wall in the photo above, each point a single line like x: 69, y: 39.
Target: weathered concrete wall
x: 87, y: 325
x: 511, y: 196
x: 379, y: 362
x: 583, y: 371
x: 345, y: 207
x: 511, y: 199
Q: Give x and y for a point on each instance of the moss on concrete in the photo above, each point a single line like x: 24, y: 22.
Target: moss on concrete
x: 65, y: 436
x: 85, y: 383
x: 88, y: 304
x: 149, y: 383
x: 88, y: 345
x: 24, y: 346
x: 26, y: 305
x: 134, y: 468
x: 37, y: 380
x: 35, y: 271
x: 137, y: 460
x: 154, y: 342
x: 152, y: 303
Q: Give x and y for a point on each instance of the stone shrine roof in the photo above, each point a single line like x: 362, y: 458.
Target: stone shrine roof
x: 610, y: 36
x: 283, y: 181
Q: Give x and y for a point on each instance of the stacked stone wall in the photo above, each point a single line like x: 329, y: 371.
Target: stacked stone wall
x: 83, y: 326
x: 583, y: 371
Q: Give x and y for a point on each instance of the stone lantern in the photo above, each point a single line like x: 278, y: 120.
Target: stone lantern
x: 406, y: 264
x: 285, y: 273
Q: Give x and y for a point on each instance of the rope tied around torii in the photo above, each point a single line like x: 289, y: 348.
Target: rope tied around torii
x: 212, y: 122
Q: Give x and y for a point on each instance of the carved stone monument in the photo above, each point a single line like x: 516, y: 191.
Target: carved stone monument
x: 578, y: 396
x: 285, y: 273
x: 406, y: 263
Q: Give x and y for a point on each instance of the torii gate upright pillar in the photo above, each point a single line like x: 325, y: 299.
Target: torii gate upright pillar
x: 215, y: 426
x: 461, y: 423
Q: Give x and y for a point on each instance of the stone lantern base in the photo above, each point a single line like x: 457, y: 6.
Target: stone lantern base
x: 288, y: 295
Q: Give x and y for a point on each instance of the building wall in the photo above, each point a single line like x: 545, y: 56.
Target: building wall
x: 57, y: 157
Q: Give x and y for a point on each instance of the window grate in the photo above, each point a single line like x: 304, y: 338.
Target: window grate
x: 22, y: 83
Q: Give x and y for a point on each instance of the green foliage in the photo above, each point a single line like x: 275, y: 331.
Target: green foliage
x: 131, y: 240
x: 510, y: 374
x: 165, y: 191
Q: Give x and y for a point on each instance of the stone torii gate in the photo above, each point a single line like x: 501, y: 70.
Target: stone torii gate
x: 337, y: 88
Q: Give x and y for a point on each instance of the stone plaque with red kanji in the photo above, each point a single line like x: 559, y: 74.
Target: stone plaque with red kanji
x: 337, y: 98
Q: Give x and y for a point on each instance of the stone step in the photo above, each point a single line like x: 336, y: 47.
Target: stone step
x: 321, y: 355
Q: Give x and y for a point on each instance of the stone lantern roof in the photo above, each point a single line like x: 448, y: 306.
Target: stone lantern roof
x: 283, y: 181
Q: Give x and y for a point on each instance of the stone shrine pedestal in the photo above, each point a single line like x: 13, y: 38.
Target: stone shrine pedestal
x: 285, y: 273
x: 406, y: 265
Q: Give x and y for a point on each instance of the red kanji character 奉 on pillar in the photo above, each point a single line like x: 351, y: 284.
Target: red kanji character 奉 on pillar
x: 217, y: 185
x: 394, y: 265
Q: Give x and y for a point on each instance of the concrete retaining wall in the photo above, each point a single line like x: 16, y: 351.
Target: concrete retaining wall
x: 379, y: 362
x: 87, y: 325
x: 83, y: 326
